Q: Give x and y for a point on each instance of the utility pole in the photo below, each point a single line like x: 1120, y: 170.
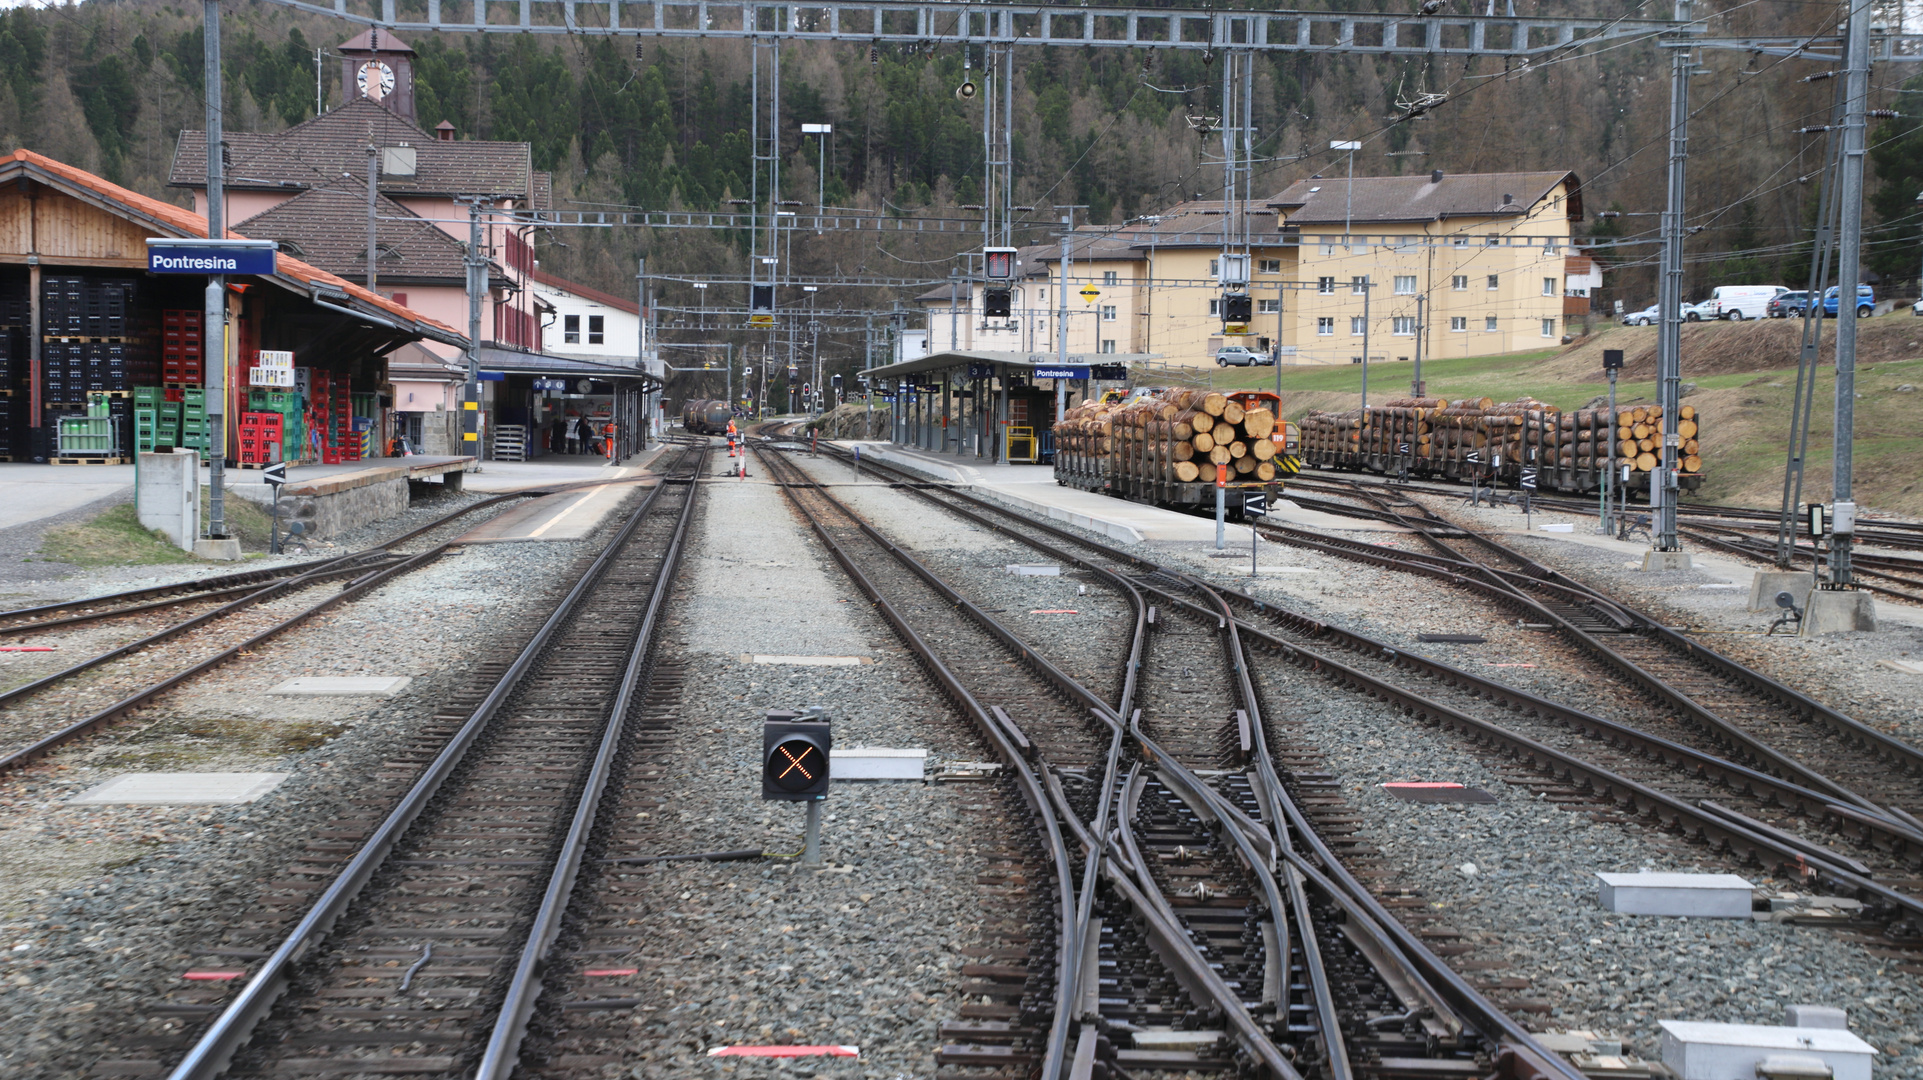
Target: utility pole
x: 373, y: 193
x: 214, y: 317
x: 1366, y: 283
x: 1849, y: 270
x: 1669, y: 296
x: 1415, y: 384
x: 476, y: 285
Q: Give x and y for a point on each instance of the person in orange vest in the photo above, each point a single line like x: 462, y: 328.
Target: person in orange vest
x: 607, y: 440
x: 731, y: 436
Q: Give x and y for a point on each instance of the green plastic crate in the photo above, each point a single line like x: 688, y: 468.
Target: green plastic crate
x: 147, y: 396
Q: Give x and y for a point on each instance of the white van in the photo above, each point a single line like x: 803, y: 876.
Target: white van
x: 1739, y: 302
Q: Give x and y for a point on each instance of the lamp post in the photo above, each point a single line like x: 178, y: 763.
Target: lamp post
x: 1348, y: 207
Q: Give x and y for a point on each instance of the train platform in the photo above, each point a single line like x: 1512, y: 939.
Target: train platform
x: 594, y: 491
x: 1033, y: 489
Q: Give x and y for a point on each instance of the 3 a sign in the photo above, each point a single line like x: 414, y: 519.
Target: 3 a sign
x: 794, y: 758
x: 175, y: 255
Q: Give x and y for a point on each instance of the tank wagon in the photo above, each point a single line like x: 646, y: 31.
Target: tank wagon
x: 1502, y: 443
x: 1166, y: 446
x: 706, y: 417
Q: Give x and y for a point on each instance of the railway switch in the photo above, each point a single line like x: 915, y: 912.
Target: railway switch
x: 794, y: 755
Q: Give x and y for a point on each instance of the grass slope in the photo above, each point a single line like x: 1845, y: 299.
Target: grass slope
x: 1743, y: 377
x: 115, y: 537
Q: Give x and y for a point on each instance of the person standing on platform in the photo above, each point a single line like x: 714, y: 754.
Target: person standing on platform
x: 574, y: 434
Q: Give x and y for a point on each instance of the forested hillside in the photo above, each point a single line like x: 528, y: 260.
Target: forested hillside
x: 109, y: 85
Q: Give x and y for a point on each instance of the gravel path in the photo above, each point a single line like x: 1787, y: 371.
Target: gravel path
x: 867, y: 951
x: 103, y: 906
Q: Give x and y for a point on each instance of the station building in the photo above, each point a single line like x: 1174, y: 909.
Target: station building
x: 1489, y: 255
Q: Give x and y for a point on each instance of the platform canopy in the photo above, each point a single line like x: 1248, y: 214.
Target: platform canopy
x: 1016, y: 362
x: 547, y: 365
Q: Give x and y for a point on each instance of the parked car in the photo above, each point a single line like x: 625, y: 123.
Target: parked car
x: 1788, y: 303
x: 1739, y: 302
x: 1865, y: 302
x: 1241, y: 356
x: 1917, y: 308
x: 1650, y: 316
x: 1698, y: 312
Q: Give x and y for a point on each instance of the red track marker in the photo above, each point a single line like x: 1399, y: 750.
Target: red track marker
x: 1420, y: 784
x: 1055, y: 611
x: 608, y: 973
x: 213, y: 976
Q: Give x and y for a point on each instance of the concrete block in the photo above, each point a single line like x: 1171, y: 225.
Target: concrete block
x: 344, y: 686
x: 1907, y: 667
x: 1816, y: 1016
x: 1558, y: 527
x: 1767, y: 583
x: 1037, y: 570
x: 1700, y: 1051
x: 806, y: 661
x: 1838, y: 612
x: 875, y: 763
x: 1696, y: 896
x: 227, y: 550
x: 1656, y: 561
x: 180, y: 789
x: 167, y: 495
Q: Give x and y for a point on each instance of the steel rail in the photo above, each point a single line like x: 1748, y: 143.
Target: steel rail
x: 1853, y: 731
x: 333, y: 568
x: 1069, y: 966
x: 1324, y: 998
x: 156, y: 605
x: 216, y: 1047
x: 189, y: 589
x: 503, y: 1051
x: 1857, y: 567
x: 1714, y: 829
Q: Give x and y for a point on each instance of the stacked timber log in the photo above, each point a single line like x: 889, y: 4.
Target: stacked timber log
x: 1479, y: 436
x: 1176, y: 436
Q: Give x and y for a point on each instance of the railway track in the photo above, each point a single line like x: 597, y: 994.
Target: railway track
x: 204, y: 640
x: 431, y: 937
x: 1202, y: 840
x: 1762, y: 834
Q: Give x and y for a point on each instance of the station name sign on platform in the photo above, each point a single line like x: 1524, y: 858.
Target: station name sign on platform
x: 170, y: 255
x: 1061, y: 372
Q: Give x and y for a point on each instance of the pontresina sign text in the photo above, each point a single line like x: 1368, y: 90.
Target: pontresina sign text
x: 169, y: 255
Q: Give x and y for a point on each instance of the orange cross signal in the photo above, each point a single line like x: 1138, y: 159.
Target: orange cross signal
x: 794, y: 763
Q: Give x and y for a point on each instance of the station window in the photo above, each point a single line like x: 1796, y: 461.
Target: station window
x: 571, y: 329
x: 1325, y: 286
x: 1358, y: 285
x: 1458, y: 322
x: 1108, y: 345
x: 1459, y: 283
x: 1215, y: 307
x: 1269, y: 306
x: 1108, y: 312
x: 597, y: 330
x: 1495, y: 281
x: 1405, y: 284
x: 1269, y: 266
x: 1109, y: 277
x: 1489, y: 323
x: 1357, y: 326
x: 1325, y: 326
x: 1405, y: 325
x: 1549, y: 286
x: 1549, y: 328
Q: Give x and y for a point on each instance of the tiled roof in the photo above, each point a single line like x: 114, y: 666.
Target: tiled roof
x: 365, y: 41
x: 562, y: 284
x: 166, y: 217
x: 334, y: 144
x: 328, y: 227
x: 1378, y: 199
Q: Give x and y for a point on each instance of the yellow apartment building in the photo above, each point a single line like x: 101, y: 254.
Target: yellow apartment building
x: 1474, y: 264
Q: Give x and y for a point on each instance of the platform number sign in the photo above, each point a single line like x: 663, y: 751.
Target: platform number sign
x: 794, y: 758
x: 1529, y: 477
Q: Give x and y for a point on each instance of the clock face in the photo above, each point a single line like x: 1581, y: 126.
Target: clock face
x: 376, y: 79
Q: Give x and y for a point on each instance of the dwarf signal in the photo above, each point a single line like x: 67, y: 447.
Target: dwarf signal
x: 794, y: 756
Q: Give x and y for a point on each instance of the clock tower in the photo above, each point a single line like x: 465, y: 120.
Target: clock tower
x: 378, y: 65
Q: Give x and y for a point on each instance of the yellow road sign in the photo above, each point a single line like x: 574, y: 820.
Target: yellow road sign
x: 1090, y: 292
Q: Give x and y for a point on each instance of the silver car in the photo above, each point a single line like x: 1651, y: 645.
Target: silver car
x: 1241, y: 356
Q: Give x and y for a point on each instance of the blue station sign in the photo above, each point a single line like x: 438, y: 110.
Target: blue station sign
x: 1071, y: 372
x: 170, y: 255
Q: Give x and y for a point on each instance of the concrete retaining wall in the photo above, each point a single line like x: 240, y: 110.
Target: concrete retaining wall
x: 330, y: 513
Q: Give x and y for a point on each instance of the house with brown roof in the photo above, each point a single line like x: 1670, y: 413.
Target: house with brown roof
x: 59, y: 221
x: 1488, y: 254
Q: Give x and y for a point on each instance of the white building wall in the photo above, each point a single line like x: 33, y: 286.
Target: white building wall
x: 620, y: 335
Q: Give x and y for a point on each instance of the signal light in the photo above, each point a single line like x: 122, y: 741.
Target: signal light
x: 1237, y: 308
x: 998, y: 264
x: 794, y: 757
x: 995, y: 303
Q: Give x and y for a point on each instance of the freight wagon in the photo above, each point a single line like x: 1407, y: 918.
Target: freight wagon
x: 706, y: 417
x: 1166, y: 447
x: 1481, y: 440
